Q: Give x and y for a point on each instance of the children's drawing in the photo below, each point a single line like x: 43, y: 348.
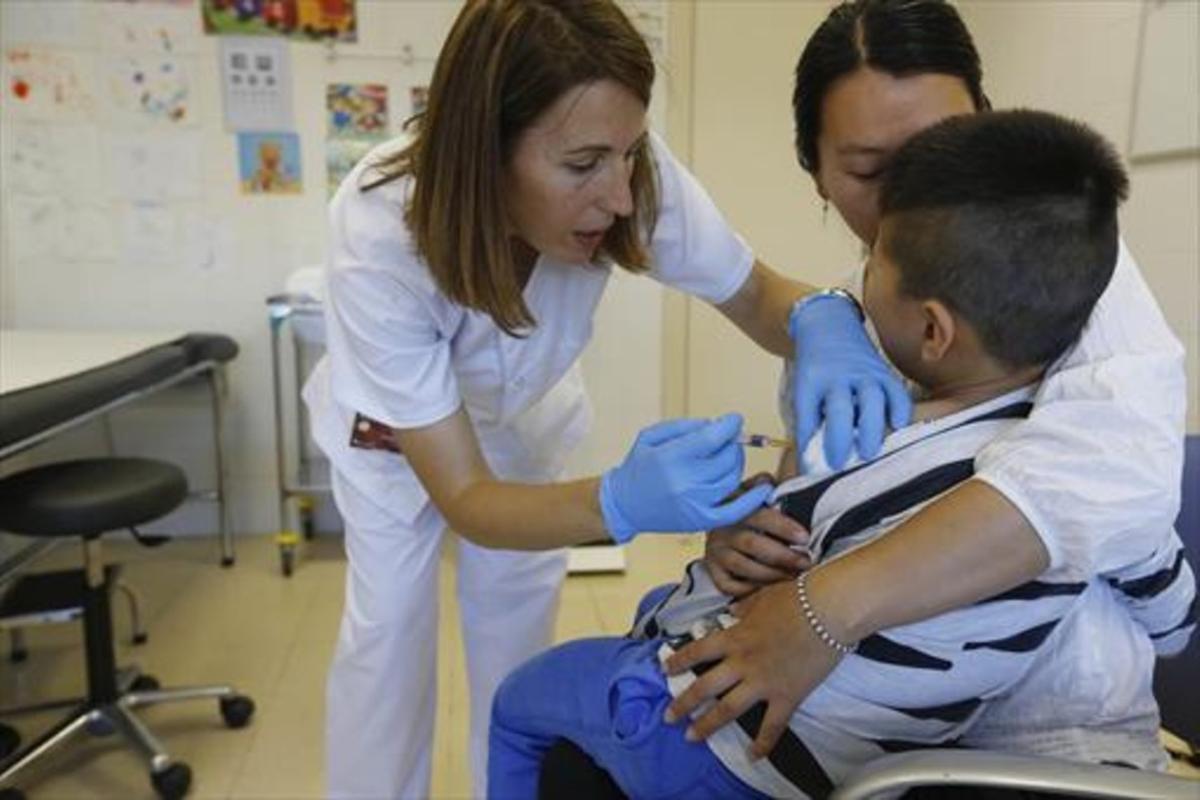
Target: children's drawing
x: 46, y: 84
x: 151, y: 88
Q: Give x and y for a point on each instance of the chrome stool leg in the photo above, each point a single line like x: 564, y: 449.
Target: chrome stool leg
x: 136, y: 732
x: 136, y: 699
x: 48, y: 741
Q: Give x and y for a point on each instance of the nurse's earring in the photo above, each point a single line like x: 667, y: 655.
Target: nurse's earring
x: 824, y: 211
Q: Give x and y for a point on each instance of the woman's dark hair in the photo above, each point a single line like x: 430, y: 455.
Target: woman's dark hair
x: 899, y: 37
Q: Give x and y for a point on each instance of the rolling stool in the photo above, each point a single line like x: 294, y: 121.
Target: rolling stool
x: 88, y: 498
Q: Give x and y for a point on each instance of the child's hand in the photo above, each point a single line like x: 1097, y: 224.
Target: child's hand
x: 771, y: 660
x: 756, y: 552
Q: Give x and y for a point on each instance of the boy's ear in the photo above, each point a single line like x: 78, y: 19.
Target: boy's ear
x: 940, y: 331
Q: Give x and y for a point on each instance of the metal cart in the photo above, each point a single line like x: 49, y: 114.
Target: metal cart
x: 297, y: 336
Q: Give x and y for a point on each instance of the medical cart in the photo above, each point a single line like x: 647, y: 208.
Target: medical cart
x: 297, y: 339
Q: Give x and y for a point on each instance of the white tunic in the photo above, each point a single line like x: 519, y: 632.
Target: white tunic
x: 401, y: 353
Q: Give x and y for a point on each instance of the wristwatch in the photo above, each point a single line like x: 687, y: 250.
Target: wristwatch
x: 835, y: 291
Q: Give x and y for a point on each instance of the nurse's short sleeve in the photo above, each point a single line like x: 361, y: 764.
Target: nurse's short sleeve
x: 694, y: 249
x: 389, y: 350
x: 1095, y: 468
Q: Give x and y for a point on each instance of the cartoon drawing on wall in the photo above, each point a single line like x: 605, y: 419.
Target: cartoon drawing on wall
x: 151, y: 88
x: 295, y: 19
x: 46, y: 84
x: 269, y: 163
x: 356, y: 109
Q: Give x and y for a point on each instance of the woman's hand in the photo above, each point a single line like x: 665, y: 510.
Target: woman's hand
x: 841, y: 378
x: 756, y: 552
x: 680, y: 475
x: 771, y: 656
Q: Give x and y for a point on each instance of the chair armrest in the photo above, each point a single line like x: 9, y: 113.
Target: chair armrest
x: 896, y: 773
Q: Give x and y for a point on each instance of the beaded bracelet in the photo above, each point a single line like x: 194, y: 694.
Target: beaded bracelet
x: 815, y: 622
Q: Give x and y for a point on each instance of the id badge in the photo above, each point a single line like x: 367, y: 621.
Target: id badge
x: 370, y: 434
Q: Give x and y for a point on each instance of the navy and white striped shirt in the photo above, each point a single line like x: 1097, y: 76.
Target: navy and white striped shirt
x: 921, y: 684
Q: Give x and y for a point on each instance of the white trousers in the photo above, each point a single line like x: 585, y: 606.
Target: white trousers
x: 382, y: 687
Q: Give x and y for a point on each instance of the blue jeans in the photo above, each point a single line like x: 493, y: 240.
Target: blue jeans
x: 607, y: 696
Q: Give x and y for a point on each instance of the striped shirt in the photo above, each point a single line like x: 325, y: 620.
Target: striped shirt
x: 916, y: 685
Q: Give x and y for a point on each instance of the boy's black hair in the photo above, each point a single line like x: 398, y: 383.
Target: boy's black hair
x: 898, y: 37
x: 1010, y: 218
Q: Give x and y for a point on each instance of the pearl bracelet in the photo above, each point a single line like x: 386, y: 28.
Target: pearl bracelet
x: 815, y: 622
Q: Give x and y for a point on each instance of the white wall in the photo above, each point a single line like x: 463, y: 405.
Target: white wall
x: 728, y: 74
x: 1074, y: 57
x: 254, y: 241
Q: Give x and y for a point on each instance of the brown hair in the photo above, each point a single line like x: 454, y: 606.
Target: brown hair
x: 503, y: 64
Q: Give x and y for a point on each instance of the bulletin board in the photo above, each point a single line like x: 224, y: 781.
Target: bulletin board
x: 1166, y: 103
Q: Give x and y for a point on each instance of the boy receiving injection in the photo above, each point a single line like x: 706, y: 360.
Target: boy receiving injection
x: 999, y: 234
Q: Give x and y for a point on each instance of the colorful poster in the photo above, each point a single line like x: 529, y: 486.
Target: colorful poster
x: 357, y: 121
x: 356, y: 110
x: 269, y: 163
x: 295, y: 19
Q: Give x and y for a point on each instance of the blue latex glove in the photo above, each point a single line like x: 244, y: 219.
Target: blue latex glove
x: 840, y: 374
x: 677, y: 477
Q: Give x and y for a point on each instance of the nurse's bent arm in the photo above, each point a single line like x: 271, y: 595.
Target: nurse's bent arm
x: 493, y: 513
x: 761, y: 307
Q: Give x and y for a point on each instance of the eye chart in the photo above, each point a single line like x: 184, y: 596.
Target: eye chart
x: 257, y: 83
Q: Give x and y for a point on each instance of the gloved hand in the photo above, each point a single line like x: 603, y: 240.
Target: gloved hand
x: 841, y: 375
x: 677, y: 477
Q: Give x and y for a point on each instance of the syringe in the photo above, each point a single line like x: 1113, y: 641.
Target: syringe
x: 761, y: 440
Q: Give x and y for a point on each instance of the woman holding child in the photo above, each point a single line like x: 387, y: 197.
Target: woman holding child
x: 1086, y: 486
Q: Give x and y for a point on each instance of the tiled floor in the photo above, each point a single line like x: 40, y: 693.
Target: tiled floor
x: 272, y: 637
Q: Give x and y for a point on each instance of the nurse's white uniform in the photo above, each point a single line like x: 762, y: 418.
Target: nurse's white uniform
x: 399, y: 352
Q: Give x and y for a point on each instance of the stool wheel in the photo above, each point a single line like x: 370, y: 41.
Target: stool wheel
x: 141, y: 638
x: 172, y: 782
x: 145, y: 683
x: 10, y: 740
x: 237, y: 710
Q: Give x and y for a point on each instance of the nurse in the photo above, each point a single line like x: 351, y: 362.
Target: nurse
x: 463, y: 275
